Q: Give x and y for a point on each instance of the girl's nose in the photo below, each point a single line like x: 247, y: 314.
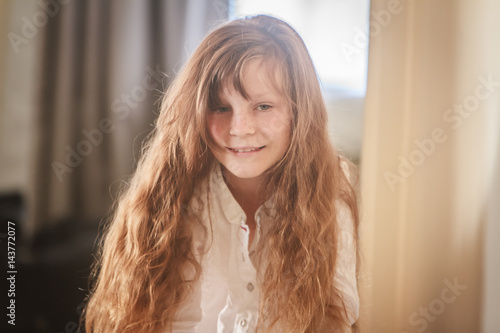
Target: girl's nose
x: 242, y: 123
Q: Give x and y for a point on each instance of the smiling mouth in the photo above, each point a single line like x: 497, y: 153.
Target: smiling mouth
x: 245, y: 149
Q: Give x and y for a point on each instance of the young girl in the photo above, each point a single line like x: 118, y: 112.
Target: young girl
x: 240, y: 216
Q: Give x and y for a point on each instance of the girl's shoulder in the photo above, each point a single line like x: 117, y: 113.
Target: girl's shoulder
x: 344, y: 209
x: 347, y: 167
x: 201, y: 195
x: 197, y: 217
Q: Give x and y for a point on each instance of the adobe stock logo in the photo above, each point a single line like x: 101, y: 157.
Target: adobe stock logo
x: 31, y: 28
x: 453, y: 118
x: 378, y: 21
x: 420, y: 319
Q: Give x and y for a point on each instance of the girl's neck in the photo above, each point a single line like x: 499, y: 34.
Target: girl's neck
x: 248, y: 192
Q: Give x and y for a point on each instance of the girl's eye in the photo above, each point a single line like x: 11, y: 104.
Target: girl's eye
x: 222, y: 109
x: 264, y: 107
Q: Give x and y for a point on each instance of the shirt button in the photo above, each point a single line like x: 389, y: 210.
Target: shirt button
x: 243, y: 323
x: 250, y: 287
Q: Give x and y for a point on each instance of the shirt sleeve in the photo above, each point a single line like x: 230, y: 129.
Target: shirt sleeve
x: 345, y: 277
x: 189, y: 314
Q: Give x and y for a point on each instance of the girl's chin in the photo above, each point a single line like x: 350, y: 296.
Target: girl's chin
x: 246, y: 175
x: 245, y: 172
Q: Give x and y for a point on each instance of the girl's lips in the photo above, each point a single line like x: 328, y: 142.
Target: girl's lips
x: 245, y: 150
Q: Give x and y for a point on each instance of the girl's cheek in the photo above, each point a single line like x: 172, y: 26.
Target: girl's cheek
x: 274, y: 124
x: 216, y: 127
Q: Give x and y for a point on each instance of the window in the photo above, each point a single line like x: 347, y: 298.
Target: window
x: 329, y: 29
x: 336, y: 35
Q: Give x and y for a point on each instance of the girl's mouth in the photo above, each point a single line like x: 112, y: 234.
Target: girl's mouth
x: 245, y: 149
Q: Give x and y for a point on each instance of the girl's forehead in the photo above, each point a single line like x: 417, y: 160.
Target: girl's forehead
x: 256, y: 78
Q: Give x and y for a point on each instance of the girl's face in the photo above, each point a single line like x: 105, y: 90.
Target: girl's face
x: 253, y: 133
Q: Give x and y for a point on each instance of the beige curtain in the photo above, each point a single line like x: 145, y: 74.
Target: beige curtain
x: 81, y: 82
x: 431, y: 142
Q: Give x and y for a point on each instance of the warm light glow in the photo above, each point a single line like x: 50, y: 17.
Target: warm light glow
x: 328, y: 28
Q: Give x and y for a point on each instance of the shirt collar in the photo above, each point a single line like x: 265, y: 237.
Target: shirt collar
x: 220, y: 193
x: 230, y: 207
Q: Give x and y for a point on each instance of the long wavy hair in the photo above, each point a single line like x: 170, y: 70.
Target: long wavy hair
x: 139, y: 282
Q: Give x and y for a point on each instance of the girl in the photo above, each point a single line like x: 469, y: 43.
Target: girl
x: 240, y: 216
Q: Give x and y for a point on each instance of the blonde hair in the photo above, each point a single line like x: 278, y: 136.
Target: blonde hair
x: 148, y: 244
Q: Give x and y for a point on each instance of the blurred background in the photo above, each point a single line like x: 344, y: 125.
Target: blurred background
x: 413, y: 94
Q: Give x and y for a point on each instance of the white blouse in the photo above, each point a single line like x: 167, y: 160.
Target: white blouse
x: 226, y: 298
